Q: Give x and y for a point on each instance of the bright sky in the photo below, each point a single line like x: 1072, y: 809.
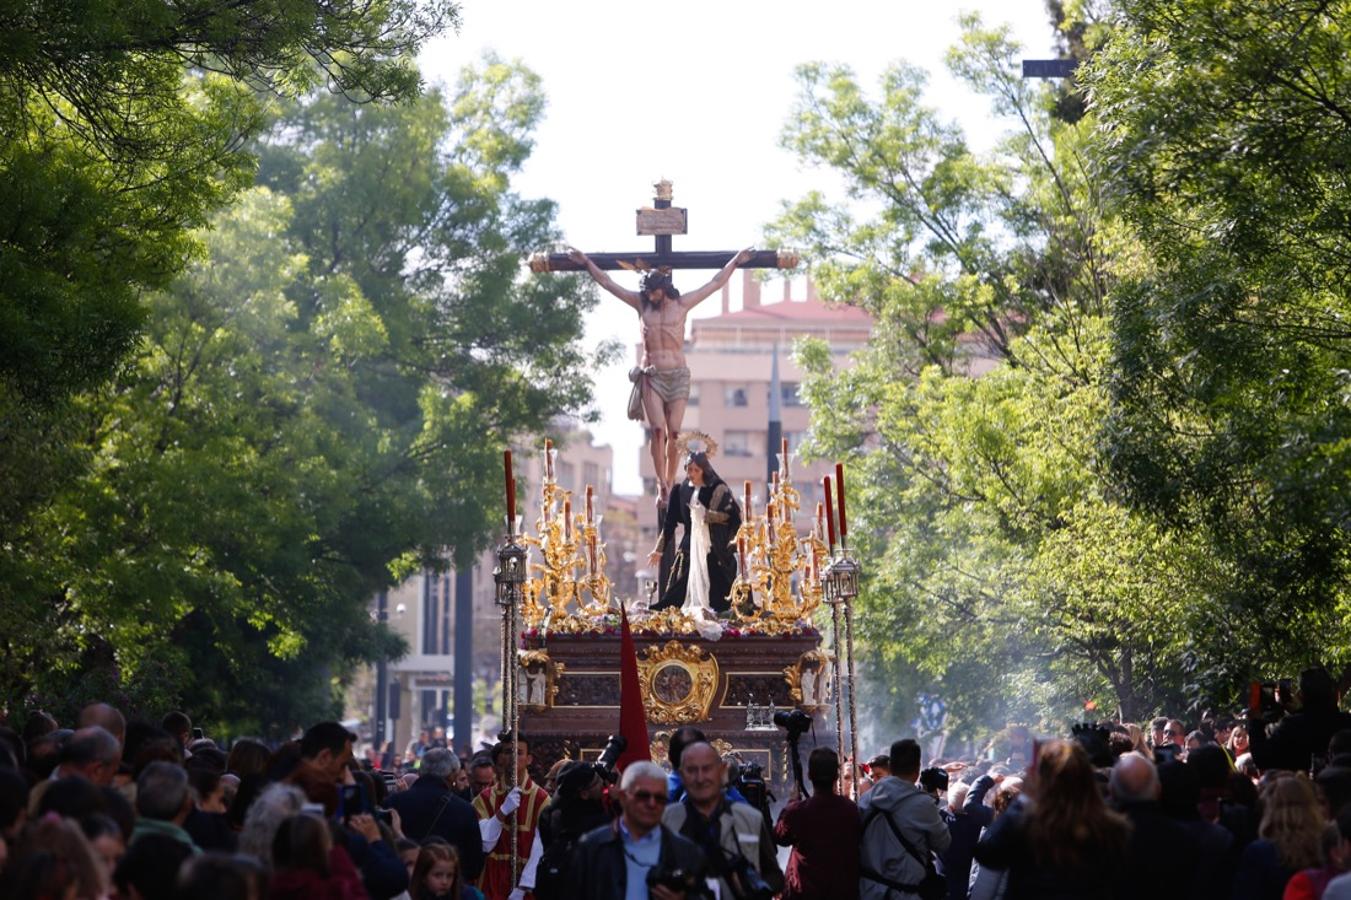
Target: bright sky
x: 697, y: 92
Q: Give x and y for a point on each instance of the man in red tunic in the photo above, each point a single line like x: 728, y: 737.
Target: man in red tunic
x: 494, y: 806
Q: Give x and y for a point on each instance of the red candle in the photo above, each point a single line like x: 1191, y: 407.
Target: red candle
x: 769, y: 523
x: 839, y: 493
x: 741, y: 551
x: 511, y: 491
x: 820, y: 520
x: 747, y: 511
x: 548, y: 459
x: 567, y: 518
x: 783, y: 458
x: 589, y: 517
x: 830, y: 514
x: 591, y: 541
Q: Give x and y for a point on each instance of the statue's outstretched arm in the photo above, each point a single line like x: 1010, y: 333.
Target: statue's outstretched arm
x: 604, y: 280
x: 691, y: 299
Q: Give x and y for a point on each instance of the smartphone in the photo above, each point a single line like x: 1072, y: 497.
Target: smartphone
x: 351, y: 801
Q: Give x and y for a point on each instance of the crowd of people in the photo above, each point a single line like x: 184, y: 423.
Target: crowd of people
x: 1244, y: 809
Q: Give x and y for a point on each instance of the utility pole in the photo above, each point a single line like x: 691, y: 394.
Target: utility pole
x: 381, y: 676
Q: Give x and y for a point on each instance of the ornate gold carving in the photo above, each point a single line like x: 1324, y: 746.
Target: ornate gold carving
x: 808, y: 679
x: 660, y: 748
x: 678, y: 682
x: 776, y: 591
x: 540, y: 678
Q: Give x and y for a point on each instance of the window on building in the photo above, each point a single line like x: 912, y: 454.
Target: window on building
x: 737, y: 443
x: 735, y: 396
x: 788, y: 393
x: 795, y: 439
x: 566, y: 474
x: 694, y: 395
x: 590, y: 474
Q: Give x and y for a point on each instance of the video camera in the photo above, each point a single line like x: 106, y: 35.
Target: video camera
x: 794, y: 721
x: 615, y: 745
x: 748, y: 779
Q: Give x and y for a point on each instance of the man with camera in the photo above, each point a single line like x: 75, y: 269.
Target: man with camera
x: 636, y: 857
x: 577, y: 809
x: 902, y: 831
x: 824, y: 831
x: 734, y: 836
x: 430, y: 808
x: 1299, y: 736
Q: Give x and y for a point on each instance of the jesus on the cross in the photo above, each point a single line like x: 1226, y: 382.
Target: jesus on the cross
x: 665, y: 378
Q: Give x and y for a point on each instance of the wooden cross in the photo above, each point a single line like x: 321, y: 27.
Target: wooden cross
x: 661, y: 220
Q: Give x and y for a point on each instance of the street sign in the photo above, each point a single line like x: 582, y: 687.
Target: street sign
x: 1049, y: 68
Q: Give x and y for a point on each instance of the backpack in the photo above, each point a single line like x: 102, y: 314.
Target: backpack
x: 931, y: 887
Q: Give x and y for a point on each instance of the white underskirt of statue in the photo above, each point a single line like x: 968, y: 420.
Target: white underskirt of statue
x: 697, y: 605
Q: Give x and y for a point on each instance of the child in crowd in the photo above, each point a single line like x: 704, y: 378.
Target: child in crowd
x: 408, y: 852
x: 437, y: 875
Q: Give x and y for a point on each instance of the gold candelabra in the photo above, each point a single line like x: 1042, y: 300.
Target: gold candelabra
x: 778, y: 583
x: 778, y: 586
x: 571, y: 579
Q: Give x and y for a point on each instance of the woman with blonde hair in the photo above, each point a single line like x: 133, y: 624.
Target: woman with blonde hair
x: 1061, y: 841
x: 1138, y: 742
x: 1289, y: 839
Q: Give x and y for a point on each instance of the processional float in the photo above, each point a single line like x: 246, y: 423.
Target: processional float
x: 552, y: 587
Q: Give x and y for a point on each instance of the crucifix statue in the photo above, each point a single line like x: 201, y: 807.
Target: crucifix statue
x: 663, y: 379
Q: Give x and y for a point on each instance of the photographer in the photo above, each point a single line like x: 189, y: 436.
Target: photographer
x: 898, y: 850
x: 734, y: 836
x: 576, y: 809
x: 824, y: 831
x: 431, y: 809
x: 1299, y: 736
x: 611, y: 862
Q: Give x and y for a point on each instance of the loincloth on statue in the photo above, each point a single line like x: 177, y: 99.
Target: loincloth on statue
x: 668, y: 384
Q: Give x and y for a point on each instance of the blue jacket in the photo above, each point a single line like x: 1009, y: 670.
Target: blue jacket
x: 965, y: 828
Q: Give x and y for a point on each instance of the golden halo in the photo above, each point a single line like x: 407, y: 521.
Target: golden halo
x: 696, y: 442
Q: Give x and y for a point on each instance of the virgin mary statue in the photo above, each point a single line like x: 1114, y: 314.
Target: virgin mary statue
x: 705, y: 565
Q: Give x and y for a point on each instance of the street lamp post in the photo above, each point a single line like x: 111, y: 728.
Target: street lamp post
x: 510, y: 577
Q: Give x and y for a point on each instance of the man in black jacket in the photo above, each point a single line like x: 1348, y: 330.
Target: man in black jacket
x: 966, y: 815
x: 637, y: 849
x: 1300, y: 736
x: 1161, y: 850
x: 430, y: 808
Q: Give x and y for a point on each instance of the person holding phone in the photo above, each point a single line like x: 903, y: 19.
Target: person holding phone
x: 1299, y: 736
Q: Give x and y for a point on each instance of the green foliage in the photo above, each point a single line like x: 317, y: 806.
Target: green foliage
x: 321, y: 398
x: 1002, y: 571
x: 1142, y: 499
x: 121, y: 130
x: 1222, y: 130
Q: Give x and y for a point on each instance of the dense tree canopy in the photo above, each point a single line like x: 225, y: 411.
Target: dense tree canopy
x: 318, y: 406
x: 1101, y: 426
x: 1223, y: 139
x: 122, y: 127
